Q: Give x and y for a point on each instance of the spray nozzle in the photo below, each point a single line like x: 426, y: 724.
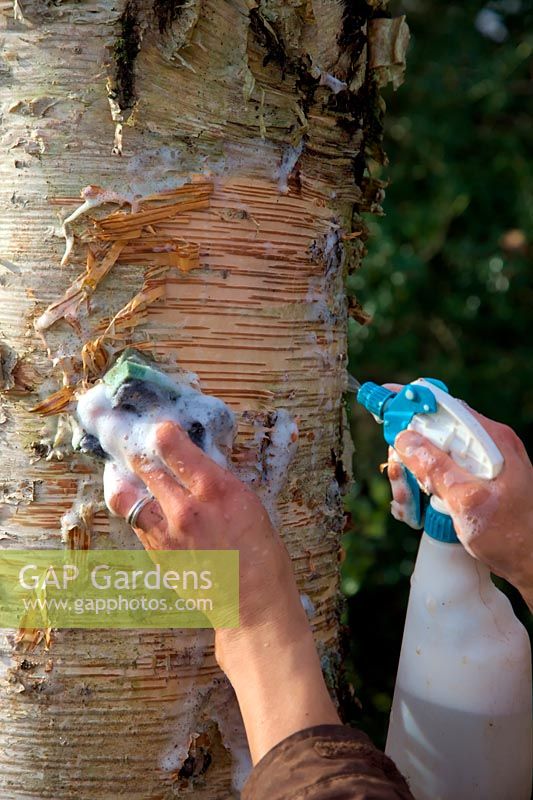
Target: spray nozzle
x: 396, y: 409
x: 426, y: 407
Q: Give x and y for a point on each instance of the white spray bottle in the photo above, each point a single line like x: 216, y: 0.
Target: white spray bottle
x: 461, y: 719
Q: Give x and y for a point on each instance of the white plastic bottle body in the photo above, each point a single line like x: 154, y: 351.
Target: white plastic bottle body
x: 461, y: 719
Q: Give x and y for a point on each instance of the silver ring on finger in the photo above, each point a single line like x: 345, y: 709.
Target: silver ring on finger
x: 136, y: 509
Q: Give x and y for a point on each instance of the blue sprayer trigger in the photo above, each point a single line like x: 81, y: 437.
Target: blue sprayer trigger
x: 396, y: 410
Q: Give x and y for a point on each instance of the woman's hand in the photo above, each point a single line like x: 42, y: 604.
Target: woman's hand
x: 271, y: 658
x: 199, y: 505
x: 493, y: 519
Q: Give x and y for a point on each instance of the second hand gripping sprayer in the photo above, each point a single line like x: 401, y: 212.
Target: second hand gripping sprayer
x: 461, y: 719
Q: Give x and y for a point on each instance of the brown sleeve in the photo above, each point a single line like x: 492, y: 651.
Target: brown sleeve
x: 327, y: 762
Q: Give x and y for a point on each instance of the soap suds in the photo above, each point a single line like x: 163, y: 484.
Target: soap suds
x: 333, y: 83
x: 123, y: 422
x: 289, y: 160
x: 213, y: 703
x: 195, y: 644
x: 327, y: 79
x: 117, y: 422
x: 278, y: 454
x: 224, y: 710
x: 174, y: 756
x: 308, y: 606
x: 473, y: 518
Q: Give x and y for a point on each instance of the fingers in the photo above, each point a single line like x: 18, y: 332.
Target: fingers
x: 503, y: 436
x: 191, y: 466
x: 165, y: 488
x: 122, y: 491
x: 397, y: 480
x: 403, y: 505
x: 434, y: 469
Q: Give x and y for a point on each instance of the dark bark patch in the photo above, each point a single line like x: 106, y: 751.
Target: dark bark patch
x: 167, y: 12
x: 198, y: 761
x: 360, y: 110
x: 352, y: 38
x: 306, y: 84
x: 8, y: 362
x: 41, y: 449
x: 125, y: 52
x: 268, y: 40
x: 341, y: 476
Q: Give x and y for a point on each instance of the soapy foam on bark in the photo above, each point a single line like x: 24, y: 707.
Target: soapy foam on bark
x: 278, y: 456
x: 308, y: 606
x: 120, y: 423
x: 225, y: 712
x: 124, y: 422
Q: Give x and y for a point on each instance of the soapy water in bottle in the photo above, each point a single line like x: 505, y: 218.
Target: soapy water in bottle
x: 463, y: 754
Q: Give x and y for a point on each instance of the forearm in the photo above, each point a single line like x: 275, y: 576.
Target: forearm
x: 276, y: 674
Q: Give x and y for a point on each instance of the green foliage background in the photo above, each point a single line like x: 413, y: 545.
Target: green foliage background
x: 447, y: 279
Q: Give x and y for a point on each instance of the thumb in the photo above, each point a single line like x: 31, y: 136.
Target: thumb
x: 434, y: 469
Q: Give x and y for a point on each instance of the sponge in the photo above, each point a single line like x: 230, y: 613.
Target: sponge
x: 117, y: 416
x: 134, y: 366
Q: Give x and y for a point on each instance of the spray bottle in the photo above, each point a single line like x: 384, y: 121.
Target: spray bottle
x: 461, y: 719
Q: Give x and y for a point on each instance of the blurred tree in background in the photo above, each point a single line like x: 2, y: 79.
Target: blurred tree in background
x: 447, y: 280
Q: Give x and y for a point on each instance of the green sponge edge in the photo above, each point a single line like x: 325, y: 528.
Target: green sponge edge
x: 133, y: 365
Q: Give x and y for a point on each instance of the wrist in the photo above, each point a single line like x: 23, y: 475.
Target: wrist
x: 269, y: 610
x: 275, y: 671
x: 283, y: 624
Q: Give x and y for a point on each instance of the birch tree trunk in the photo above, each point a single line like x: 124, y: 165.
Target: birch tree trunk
x: 269, y: 108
